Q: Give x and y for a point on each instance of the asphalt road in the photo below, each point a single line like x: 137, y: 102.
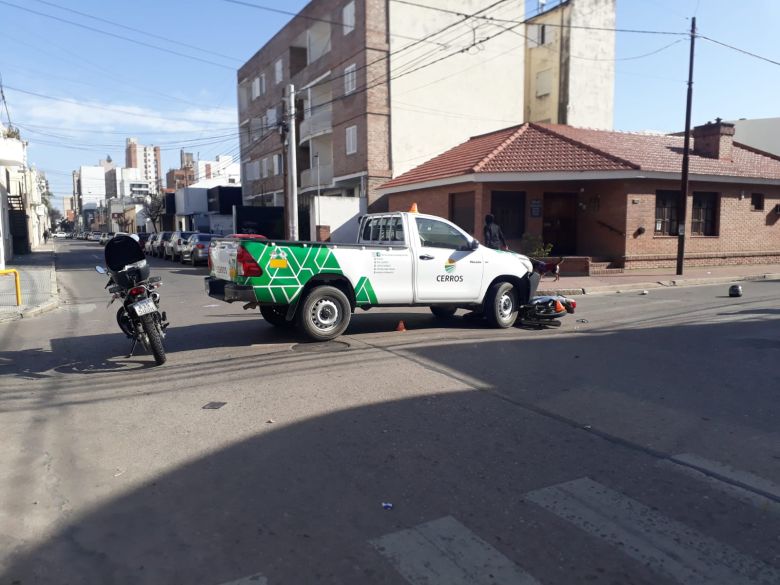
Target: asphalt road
x: 641, y: 446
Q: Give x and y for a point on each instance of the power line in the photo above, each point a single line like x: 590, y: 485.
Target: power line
x: 311, y: 18
x: 96, y: 107
x: 654, y: 52
x: 406, y: 47
x: 743, y: 51
x: 116, y: 36
x: 138, y: 30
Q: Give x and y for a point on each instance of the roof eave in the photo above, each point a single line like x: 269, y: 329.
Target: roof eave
x: 551, y: 176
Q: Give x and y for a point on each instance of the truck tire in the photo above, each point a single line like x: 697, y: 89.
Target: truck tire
x: 324, y: 314
x: 275, y: 315
x: 501, y: 305
x: 443, y: 312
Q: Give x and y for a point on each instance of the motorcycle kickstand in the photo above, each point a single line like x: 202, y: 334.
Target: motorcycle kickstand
x: 132, y: 348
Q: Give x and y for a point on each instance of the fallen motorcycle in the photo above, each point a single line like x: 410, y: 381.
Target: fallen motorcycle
x: 139, y: 317
x: 544, y: 311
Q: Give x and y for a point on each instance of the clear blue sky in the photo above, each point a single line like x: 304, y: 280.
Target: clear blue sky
x: 176, y: 102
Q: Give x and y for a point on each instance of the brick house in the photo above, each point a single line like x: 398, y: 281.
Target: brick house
x: 608, y: 196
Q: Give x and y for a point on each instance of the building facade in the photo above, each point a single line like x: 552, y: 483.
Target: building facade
x: 610, y: 198
x: 370, y: 100
x: 570, y: 64
x: 147, y: 160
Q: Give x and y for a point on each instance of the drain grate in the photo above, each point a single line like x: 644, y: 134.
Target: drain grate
x: 320, y: 347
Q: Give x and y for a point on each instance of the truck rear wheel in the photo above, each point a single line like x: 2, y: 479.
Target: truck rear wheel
x: 501, y: 305
x: 275, y: 315
x: 324, y: 314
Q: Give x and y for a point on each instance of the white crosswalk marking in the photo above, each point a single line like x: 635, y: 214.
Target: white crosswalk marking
x: 665, y: 546
x: 444, y: 552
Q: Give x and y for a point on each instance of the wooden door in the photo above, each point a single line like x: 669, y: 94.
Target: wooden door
x: 560, y: 223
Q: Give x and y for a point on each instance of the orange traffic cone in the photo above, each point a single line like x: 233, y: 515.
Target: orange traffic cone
x: 413, y: 208
x: 401, y: 326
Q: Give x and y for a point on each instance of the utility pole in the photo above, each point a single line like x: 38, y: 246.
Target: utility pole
x: 682, y: 206
x: 292, y: 165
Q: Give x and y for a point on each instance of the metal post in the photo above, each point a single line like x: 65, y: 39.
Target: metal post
x: 682, y: 207
x: 292, y: 163
x: 317, y: 206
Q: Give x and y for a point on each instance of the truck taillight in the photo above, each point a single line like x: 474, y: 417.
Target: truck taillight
x: 246, y: 264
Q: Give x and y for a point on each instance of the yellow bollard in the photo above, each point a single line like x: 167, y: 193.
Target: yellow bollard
x: 17, y: 282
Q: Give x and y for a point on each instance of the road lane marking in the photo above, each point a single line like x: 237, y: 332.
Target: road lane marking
x: 257, y: 579
x: 444, y: 552
x: 665, y: 546
x: 744, y: 479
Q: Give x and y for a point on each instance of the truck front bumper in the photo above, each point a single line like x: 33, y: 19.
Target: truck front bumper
x: 229, y: 292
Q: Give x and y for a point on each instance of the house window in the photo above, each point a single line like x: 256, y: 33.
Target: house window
x: 278, y: 71
x: 243, y: 97
x: 277, y: 160
x: 264, y: 168
x: 757, y: 202
x: 252, y: 170
x: 351, y: 139
x: 350, y: 79
x: 666, y: 212
x: 348, y: 17
x: 255, y: 88
x: 270, y: 118
x: 544, y: 83
x: 704, y: 220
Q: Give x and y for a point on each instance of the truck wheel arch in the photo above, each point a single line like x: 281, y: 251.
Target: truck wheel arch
x: 339, y: 281
x: 521, y: 283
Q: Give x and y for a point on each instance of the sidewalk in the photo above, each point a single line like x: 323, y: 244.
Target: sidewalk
x: 658, y: 278
x: 38, y: 281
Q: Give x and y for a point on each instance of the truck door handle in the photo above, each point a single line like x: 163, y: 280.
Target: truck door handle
x: 426, y: 257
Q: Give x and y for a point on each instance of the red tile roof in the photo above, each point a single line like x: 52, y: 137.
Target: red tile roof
x: 535, y: 147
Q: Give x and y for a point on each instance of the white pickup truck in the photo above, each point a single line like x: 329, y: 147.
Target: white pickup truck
x: 400, y: 259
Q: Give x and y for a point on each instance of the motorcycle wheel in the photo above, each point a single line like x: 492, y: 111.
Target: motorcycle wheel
x: 152, y: 331
x: 123, y: 320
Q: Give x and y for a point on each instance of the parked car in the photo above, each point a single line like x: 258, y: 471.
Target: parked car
x: 173, y: 246
x: 151, y: 243
x: 159, y: 246
x: 143, y: 237
x: 196, y: 249
x: 96, y: 236
x: 60, y: 235
x: 105, y: 236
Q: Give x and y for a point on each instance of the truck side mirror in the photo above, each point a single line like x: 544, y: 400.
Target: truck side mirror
x: 474, y: 244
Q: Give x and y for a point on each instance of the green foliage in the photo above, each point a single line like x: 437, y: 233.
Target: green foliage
x: 534, y: 246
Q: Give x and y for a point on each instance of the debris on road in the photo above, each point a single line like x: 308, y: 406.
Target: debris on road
x: 387, y: 505
x: 270, y: 421
x: 214, y: 405
x: 735, y: 290
x: 645, y: 292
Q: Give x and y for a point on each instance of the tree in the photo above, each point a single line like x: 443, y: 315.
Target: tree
x: 154, y: 209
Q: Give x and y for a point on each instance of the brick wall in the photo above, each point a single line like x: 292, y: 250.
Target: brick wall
x: 744, y: 236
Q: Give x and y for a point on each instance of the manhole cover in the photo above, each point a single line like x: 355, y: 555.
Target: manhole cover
x: 320, y: 347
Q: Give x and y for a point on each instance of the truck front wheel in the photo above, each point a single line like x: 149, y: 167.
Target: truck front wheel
x: 324, y: 314
x: 501, y: 305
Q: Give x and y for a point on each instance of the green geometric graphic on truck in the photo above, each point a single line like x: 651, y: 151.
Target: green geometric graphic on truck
x: 293, y: 267
x: 364, y: 292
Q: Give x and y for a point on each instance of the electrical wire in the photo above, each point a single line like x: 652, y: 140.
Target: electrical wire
x: 117, y: 36
x: 651, y: 53
x: 743, y: 51
x: 138, y: 30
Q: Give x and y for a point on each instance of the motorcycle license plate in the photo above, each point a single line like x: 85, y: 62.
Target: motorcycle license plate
x: 144, y: 307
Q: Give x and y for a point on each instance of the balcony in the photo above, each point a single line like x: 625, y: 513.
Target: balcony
x: 309, y: 177
x: 11, y: 152
x: 320, y: 122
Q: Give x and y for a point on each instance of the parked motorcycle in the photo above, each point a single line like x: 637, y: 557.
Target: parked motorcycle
x: 139, y: 317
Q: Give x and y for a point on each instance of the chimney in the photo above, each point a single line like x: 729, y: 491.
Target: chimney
x: 714, y: 140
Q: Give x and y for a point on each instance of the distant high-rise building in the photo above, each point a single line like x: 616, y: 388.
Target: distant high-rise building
x: 147, y: 159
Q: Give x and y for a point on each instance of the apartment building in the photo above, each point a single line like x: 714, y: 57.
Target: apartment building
x: 570, y: 64
x: 145, y: 158
x: 380, y: 86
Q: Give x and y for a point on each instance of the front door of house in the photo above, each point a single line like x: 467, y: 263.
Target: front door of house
x: 559, y: 226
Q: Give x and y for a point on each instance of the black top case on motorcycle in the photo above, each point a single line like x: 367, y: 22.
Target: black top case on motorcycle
x: 125, y: 261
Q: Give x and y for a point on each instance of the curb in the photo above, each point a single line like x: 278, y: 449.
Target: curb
x: 45, y: 307
x: 634, y: 286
